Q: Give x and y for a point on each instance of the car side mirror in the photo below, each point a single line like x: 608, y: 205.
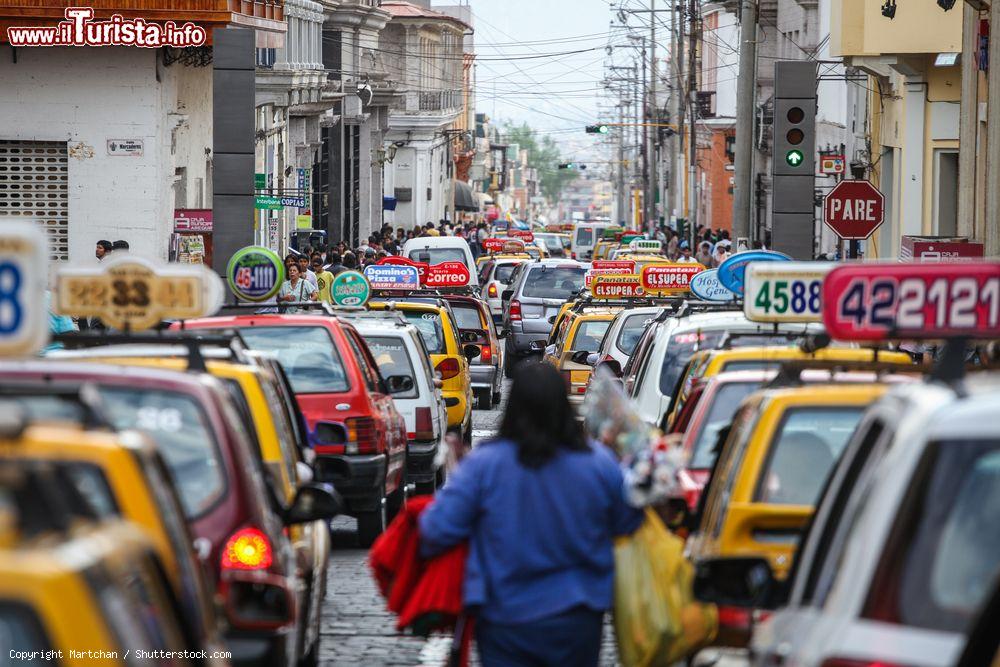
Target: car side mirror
x: 399, y: 384
x: 580, y: 356
x: 503, y: 333
x: 537, y: 345
x: 734, y: 582
x: 552, y: 320
x: 506, y: 295
x: 471, y: 352
x: 613, y: 366
x: 313, y: 502
x: 592, y: 358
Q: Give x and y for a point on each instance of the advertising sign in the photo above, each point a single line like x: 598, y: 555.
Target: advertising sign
x: 392, y: 277
x: 132, y: 294
x: 706, y: 286
x: 731, y: 271
x: 593, y: 274
x: 863, y: 302
x: 267, y: 203
x: 527, y: 237
x: 255, y: 273
x: 512, y: 246
x: 939, y: 249
x: 349, y: 288
x: 447, y: 274
x: 625, y: 265
x: 617, y: 286
x: 645, y: 245
x: 396, y: 260
x: 193, y: 220
x: 785, y: 291
x: 669, y: 279
x: 24, y: 320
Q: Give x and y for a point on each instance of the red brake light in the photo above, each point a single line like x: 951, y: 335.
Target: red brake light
x: 424, y: 425
x: 492, y: 291
x: 247, y: 549
x: 362, y: 435
x: 486, y: 353
x: 448, y: 368
x: 515, y: 311
x: 850, y: 662
x: 734, y: 618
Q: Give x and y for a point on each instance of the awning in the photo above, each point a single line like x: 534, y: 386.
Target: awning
x: 465, y: 200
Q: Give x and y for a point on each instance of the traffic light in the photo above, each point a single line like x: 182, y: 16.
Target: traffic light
x: 793, y: 162
x: 597, y: 129
x: 572, y: 165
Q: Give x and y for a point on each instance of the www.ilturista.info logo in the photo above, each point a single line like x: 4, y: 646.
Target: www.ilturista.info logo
x: 79, y: 29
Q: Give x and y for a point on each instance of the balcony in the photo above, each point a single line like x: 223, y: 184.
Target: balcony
x: 440, y: 100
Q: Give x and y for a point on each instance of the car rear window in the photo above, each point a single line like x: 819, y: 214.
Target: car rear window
x: 179, y: 427
x: 805, y: 448
x: 553, y: 282
x: 467, y: 316
x: 308, y: 354
x: 21, y: 629
x: 393, y: 359
x: 584, y: 236
x: 942, y: 556
x: 504, y: 272
x: 720, y: 414
x: 680, y: 348
x: 438, y: 255
x: 589, y: 335
x: 631, y: 331
x: 429, y: 326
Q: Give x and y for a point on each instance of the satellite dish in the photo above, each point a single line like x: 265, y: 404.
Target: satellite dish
x: 365, y: 94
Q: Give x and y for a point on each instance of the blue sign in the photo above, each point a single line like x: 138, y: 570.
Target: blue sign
x: 706, y: 286
x: 297, y: 202
x: 733, y: 270
x: 392, y: 277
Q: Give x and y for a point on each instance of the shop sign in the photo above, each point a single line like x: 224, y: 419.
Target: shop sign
x: 259, y: 181
x: 24, y: 319
x: 193, y: 220
x: 255, y: 273
x: 349, y: 288
x: 392, y: 277
x: 267, y: 203
x: 304, y: 221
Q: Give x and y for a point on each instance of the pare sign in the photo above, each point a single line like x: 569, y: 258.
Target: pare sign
x: 873, y: 302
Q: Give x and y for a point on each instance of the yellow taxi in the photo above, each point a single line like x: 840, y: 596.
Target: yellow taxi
x: 708, y: 363
x: 536, y: 251
x: 578, y: 335
x: 603, y: 248
x: 782, y: 444
x: 482, y: 259
x: 121, y: 475
x: 436, y: 324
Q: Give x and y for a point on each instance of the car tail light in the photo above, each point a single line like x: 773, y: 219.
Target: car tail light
x: 424, y: 425
x: 515, y: 311
x: 486, y: 353
x: 491, y: 291
x: 572, y: 255
x: 362, y: 436
x: 734, y: 618
x: 247, y: 549
x: 852, y: 662
x: 448, y: 368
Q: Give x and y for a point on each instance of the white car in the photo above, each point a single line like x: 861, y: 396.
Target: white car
x: 905, y: 545
x: 495, y: 276
x: 438, y: 249
x: 585, y: 237
x: 398, y: 349
x: 624, y: 333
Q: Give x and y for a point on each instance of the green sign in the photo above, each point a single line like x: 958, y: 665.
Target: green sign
x: 350, y: 288
x: 793, y: 157
x: 259, y: 181
x: 267, y: 203
x: 255, y: 273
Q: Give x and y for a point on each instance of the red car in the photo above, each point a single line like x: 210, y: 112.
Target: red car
x: 220, y: 480
x: 354, y: 428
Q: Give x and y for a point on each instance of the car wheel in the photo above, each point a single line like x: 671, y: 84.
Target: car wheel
x: 508, y: 363
x: 484, y: 400
x: 394, y: 501
x: 372, y: 524
x: 496, y: 397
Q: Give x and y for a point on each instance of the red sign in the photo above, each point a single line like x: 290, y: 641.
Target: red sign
x: 914, y: 301
x: 493, y: 244
x: 854, y: 210
x: 616, y: 287
x: 669, y: 278
x: 626, y: 265
x: 447, y: 274
x: 527, y: 237
x: 590, y: 276
x: 939, y: 249
x: 406, y: 261
x: 503, y: 245
x: 193, y: 220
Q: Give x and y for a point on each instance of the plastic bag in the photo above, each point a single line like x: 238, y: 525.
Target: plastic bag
x: 657, y: 621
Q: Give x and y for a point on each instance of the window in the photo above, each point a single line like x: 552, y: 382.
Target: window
x: 308, y: 354
x: 942, y: 556
x: 680, y: 348
x: 438, y: 255
x: 393, y: 359
x: 20, y: 630
x: 429, y: 326
x: 588, y: 335
x: 631, y: 331
x: 504, y: 272
x: 371, y: 377
x: 553, y: 282
x: 181, y: 431
x: 804, y: 450
x: 467, y: 317
x: 725, y: 401
x: 584, y: 236
x: 92, y: 485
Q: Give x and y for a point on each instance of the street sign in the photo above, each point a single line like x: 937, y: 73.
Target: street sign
x: 706, y: 286
x: 912, y: 301
x: 854, y: 210
x: 349, y: 288
x: 255, y: 273
x: 731, y: 271
x: 24, y: 320
x: 785, y: 291
x: 447, y: 274
x: 617, y: 286
x: 390, y: 277
x: 132, y: 294
x: 259, y: 181
x: 669, y: 279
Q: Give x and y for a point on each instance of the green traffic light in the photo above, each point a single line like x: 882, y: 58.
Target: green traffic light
x: 793, y: 157
x: 603, y: 129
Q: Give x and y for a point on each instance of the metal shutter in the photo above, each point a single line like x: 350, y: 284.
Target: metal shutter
x: 34, y: 184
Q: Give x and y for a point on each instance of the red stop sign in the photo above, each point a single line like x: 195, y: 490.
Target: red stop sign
x: 854, y: 210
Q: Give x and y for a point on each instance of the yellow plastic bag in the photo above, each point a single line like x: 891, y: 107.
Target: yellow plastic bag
x: 657, y: 620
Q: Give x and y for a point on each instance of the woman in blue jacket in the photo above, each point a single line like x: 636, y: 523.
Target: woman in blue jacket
x: 540, y: 507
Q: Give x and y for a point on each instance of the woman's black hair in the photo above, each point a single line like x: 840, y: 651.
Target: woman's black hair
x: 539, y: 417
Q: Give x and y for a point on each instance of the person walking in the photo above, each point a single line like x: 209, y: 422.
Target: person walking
x: 295, y: 289
x: 324, y: 278
x: 540, y: 507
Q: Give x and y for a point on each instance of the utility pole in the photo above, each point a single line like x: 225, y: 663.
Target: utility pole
x: 651, y: 217
x: 645, y: 142
x: 692, y: 88
x: 622, y: 196
x: 671, y: 171
x: 746, y: 93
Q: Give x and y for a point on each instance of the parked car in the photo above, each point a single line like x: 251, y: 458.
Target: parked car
x: 438, y: 249
x: 356, y: 432
x: 495, y: 275
x: 537, y: 292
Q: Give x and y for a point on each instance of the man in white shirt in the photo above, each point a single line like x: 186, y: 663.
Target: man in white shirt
x: 685, y: 257
x: 310, y: 277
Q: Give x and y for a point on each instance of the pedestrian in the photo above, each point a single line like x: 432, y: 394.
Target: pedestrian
x: 704, y: 254
x: 295, y: 289
x: 540, y: 507
x: 350, y: 261
x: 102, y: 249
x: 686, y: 257
x: 721, y: 253
x: 336, y: 264
x: 119, y: 245
x: 305, y: 271
x: 324, y: 279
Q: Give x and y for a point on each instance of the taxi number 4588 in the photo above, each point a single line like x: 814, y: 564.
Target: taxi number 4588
x: 783, y: 296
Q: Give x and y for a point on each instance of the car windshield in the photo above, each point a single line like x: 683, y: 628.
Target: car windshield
x: 589, y: 335
x: 429, y: 326
x: 720, y: 414
x: 631, y: 331
x: 680, y: 347
x: 438, y: 255
x: 467, y: 316
x: 584, y: 236
x: 504, y: 272
x: 553, y: 282
x: 943, y: 554
x: 307, y: 353
x: 804, y: 450
x: 179, y: 427
x: 393, y: 359
x: 551, y: 242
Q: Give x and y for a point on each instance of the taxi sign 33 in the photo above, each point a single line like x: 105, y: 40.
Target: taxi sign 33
x: 785, y: 291
x: 913, y: 301
x: 668, y: 279
x: 23, y: 318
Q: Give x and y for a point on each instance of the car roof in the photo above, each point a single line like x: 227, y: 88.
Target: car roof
x: 130, y: 374
x: 971, y: 416
x: 435, y: 241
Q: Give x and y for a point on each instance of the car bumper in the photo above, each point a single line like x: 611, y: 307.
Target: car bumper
x: 251, y: 649
x: 457, y: 405
x: 483, y: 376
x: 721, y: 657
x: 522, y: 339
x: 359, y: 479
x: 421, y: 461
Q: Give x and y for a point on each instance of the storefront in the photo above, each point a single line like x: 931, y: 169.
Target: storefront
x: 191, y: 242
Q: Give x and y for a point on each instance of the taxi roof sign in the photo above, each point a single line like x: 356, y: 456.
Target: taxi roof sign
x: 669, y: 279
x: 24, y: 320
x: 732, y: 271
x: 617, y: 286
x: 784, y: 291
x: 396, y: 277
x: 645, y: 245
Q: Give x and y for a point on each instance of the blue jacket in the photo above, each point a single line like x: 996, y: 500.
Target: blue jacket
x: 540, y: 539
